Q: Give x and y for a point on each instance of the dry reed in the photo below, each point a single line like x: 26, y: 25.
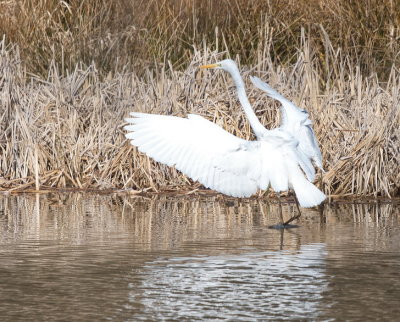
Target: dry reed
x: 66, y: 131
x: 137, y: 33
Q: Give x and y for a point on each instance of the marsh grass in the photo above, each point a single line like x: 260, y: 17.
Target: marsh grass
x: 65, y: 131
x: 70, y: 71
x: 135, y: 34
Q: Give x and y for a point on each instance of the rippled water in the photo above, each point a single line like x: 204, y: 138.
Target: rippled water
x: 124, y: 258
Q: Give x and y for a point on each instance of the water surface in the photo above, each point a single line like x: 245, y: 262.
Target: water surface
x: 67, y: 257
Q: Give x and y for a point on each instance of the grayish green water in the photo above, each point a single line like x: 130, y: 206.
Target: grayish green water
x: 107, y: 257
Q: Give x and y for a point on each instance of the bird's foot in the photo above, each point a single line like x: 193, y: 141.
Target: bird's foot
x: 291, y: 219
x: 283, y: 226
x: 287, y: 224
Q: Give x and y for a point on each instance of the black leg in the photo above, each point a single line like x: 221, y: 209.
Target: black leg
x: 281, y: 225
x: 297, y: 204
x: 294, y: 217
x: 285, y: 224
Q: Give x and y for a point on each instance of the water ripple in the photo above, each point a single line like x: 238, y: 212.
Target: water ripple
x: 236, y: 287
x: 122, y: 258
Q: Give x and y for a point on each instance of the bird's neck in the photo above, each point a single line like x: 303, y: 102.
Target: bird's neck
x: 256, y: 125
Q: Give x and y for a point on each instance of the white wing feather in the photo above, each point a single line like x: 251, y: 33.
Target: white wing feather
x: 295, y: 121
x: 291, y: 113
x: 199, y: 148
x: 219, y: 160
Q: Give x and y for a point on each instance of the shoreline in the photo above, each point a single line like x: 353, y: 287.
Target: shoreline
x: 198, y: 193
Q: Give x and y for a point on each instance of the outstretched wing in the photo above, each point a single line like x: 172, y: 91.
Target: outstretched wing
x: 295, y: 121
x: 200, y: 149
x: 290, y: 112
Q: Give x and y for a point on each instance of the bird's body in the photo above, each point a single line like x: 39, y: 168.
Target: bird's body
x: 221, y: 161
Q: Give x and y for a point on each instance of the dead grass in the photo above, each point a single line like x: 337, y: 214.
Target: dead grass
x: 134, y: 34
x: 66, y: 131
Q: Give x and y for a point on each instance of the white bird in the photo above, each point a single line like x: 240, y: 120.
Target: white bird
x: 295, y: 121
x: 221, y: 161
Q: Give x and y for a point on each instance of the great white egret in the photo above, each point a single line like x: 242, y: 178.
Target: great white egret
x: 295, y: 121
x: 221, y: 161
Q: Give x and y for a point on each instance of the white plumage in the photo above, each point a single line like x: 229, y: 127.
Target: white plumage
x: 295, y: 121
x: 221, y: 161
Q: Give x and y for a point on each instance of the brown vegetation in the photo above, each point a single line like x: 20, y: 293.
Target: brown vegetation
x: 138, y: 33
x: 63, y: 128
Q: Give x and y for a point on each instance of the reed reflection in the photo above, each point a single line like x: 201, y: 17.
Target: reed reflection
x: 167, y: 223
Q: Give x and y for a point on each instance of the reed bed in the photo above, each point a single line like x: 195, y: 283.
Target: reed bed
x: 70, y: 71
x: 65, y: 131
x: 134, y: 34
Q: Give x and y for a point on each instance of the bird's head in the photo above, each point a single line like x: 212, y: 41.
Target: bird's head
x: 227, y: 64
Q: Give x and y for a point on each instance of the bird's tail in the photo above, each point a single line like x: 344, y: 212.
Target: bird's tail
x: 307, y: 193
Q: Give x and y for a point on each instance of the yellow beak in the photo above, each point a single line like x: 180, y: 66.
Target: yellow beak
x: 209, y: 66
